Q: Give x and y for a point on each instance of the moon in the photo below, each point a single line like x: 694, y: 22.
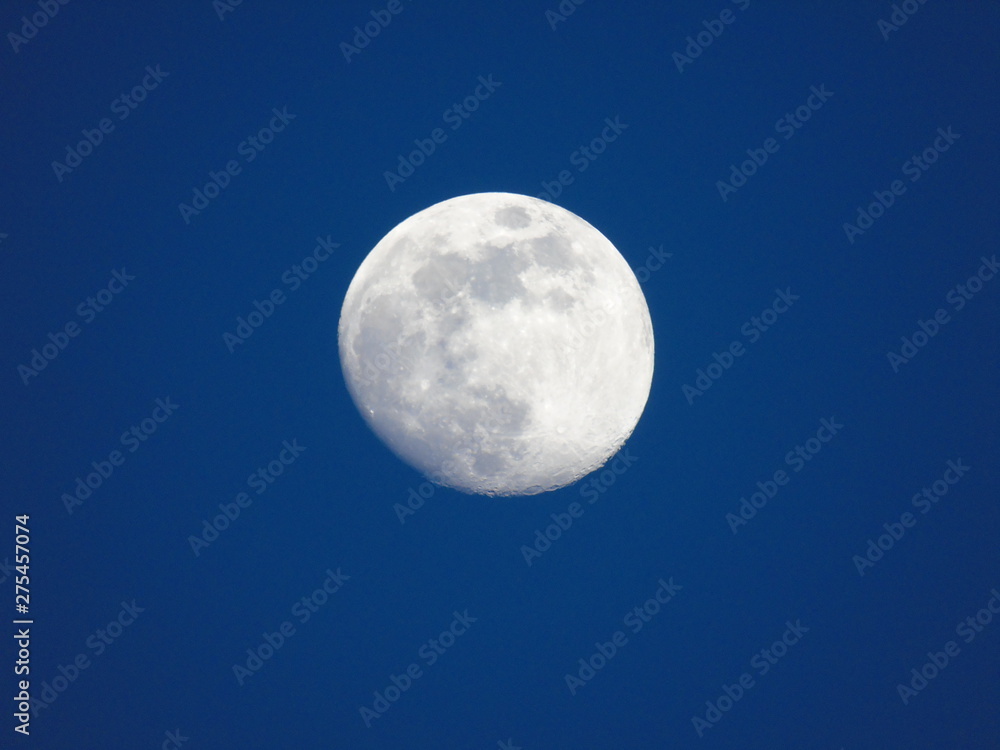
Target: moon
x: 498, y: 344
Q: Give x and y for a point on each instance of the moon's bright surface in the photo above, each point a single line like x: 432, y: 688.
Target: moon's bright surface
x: 497, y: 343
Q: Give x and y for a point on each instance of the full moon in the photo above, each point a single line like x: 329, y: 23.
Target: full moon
x: 498, y: 344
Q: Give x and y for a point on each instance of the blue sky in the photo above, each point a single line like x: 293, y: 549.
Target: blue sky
x: 808, y: 197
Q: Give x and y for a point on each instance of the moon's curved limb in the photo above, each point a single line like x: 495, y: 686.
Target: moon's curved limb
x: 498, y: 343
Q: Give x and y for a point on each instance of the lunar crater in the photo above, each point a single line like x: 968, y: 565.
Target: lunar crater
x: 497, y: 343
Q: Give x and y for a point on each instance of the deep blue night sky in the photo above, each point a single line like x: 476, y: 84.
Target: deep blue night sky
x: 795, y: 182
